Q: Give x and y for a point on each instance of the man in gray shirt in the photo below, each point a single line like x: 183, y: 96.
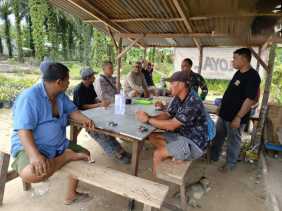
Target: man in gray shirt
x: 135, y: 84
x: 105, y: 84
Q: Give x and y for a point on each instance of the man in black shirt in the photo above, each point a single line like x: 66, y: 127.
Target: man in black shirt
x: 236, y: 104
x: 85, y: 97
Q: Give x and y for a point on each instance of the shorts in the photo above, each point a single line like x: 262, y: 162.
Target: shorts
x: 181, y: 148
x: 22, y: 160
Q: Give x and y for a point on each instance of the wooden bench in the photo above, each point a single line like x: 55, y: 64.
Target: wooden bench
x: 151, y: 194
x: 6, y: 176
x: 176, y: 174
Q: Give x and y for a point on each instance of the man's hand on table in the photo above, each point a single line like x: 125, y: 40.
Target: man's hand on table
x: 142, y: 116
x: 88, y: 124
x: 159, y: 106
x: 105, y: 103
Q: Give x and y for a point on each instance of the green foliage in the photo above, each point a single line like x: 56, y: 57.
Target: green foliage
x: 11, y: 87
x: 38, y: 12
x: 16, y: 9
x: 52, y: 31
x: 5, y: 11
x: 276, y: 86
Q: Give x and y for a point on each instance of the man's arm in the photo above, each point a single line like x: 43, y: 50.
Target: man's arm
x: 204, y: 88
x: 77, y: 116
x: 246, y: 107
x: 169, y: 124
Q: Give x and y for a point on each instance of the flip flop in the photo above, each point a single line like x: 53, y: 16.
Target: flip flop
x: 80, y: 197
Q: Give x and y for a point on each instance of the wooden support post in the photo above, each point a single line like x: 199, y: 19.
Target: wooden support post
x: 112, y: 37
x: 145, y: 53
x: 4, y: 164
x: 200, y: 60
x: 129, y: 47
x: 262, y: 63
x: 263, y: 111
x: 119, y: 64
x: 259, y: 54
x: 147, y: 208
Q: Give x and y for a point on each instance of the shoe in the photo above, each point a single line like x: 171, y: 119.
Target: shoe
x: 226, y: 168
x: 123, y: 157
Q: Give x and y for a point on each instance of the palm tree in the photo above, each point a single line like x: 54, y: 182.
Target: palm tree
x: 5, y: 11
x: 17, y: 9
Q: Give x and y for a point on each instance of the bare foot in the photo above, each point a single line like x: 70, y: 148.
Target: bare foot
x: 73, y: 156
x: 177, y: 161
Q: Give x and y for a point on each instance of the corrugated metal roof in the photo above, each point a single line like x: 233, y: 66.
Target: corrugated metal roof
x: 238, y: 19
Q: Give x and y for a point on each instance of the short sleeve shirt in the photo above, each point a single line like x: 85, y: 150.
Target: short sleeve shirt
x: 242, y: 86
x: 83, y: 95
x: 198, y: 81
x: 191, y: 114
x: 33, y: 111
x: 105, y: 87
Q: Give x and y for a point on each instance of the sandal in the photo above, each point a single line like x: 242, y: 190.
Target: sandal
x: 80, y: 197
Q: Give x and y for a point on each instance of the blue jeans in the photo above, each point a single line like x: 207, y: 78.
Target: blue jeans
x: 109, y: 144
x: 233, y: 137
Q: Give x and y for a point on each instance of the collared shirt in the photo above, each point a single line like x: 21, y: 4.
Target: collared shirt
x: 190, y: 112
x: 83, y: 95
x: 105, y: 88
x: 198, y: 81
x: 33, y: 111
x: 135, y: 81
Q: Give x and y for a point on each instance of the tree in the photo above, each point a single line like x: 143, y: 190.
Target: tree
x: 52, y: 31
x: 1, y: 46
x: 38, y: 12
x: 16, y: 9
x: 5, y: 11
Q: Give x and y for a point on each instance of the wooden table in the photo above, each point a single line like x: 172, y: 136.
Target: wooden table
x: 127, y: 128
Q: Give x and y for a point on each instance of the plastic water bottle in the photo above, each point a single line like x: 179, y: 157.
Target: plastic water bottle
x: 120, y: 103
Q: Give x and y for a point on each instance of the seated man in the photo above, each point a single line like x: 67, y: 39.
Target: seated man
x: 84, y: 95
x: 105, y: 84
x: 85, y: 98
x: 39, y: 143
x: 135, y: 84
x: 185, y: 122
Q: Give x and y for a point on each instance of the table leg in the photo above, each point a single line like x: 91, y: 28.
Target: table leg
x: 137, y: 147
x: 74, y: 131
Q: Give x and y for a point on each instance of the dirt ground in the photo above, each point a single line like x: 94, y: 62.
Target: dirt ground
x: 241, y: 190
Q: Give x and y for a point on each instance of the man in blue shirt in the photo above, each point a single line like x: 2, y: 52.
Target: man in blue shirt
x: 40, y: 117
x: 185, y: 122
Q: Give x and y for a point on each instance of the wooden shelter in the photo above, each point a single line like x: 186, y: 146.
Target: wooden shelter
x: 185, y: 23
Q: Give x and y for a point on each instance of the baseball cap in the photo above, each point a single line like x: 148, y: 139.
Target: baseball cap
x: 87, y: 72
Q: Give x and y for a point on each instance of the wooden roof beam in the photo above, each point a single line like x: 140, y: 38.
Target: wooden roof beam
x: 87, y: 7
x: 265, y: 66
x: 138, y: 20
x: 185, y: 17
x: 172, y: 35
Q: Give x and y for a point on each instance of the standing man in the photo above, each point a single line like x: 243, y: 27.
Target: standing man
x: 85, y: 98
x: 39, y: 143
x: 135, y: 84
x: 105, y: 84
x: 238, y: 99
x: 196, y: 80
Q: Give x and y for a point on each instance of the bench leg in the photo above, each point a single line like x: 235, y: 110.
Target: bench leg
x: 147, y: 208
x: 26, y: 186
x: 209, y: 153
x: 183, y: 198
x: 4, y: 164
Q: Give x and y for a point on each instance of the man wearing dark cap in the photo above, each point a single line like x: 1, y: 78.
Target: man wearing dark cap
x: 40, y: 117
x: 185, y: 123
x: 85, y: 97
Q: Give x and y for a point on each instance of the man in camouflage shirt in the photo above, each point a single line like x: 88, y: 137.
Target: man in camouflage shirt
x: 196, y: 80
x: 185, y: 122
